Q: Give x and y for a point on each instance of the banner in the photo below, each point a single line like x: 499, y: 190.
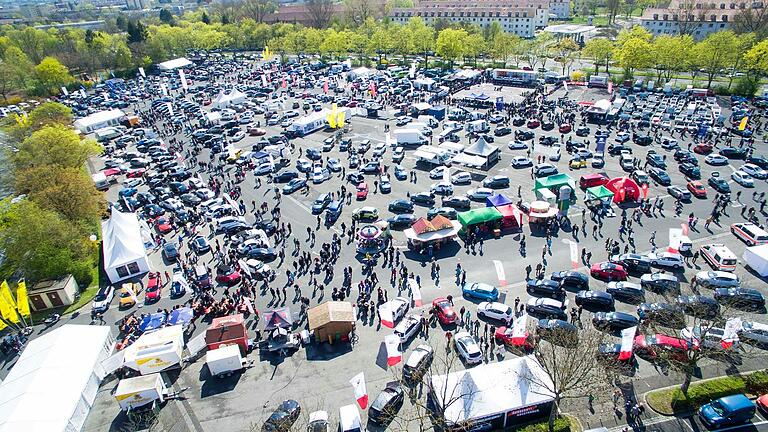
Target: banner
x: 565, y: 85
x: 500, y: 272
x: 372, y: 89
x: 263, y: 80
x: 183, y: 79
x: 141, y: 71
x: 392, y: 343
x: 170, y: 109
x: 64, y: 90
x: 325, y: 87
x: 600, y: 144
x: 500, y: 103
x: 361, y: 394
x: 675, y: 238
x: 386, y: 315
x: 610, y: 87
x: 285, y: 83
x: 415, y: 292
x: 731, y: 332
x: 519, y: 330
x: 164, y: 89
x: 22, y: 299
x: 7, y: 304
x: 82, y: 92
x: 574, y: 251
x: 627, y: 342
x: 743, y: 124
x: 249, y: 305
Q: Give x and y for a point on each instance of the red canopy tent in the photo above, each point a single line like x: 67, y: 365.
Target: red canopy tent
x: 511, y: 216
x: 624, y: 189
x: 227, y: 330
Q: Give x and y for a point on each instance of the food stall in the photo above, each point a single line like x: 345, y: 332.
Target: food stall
x: 332, y: 321
x: 373, y: 238
x: 599, y: 199
x: 497, y: 200
x: 137, y: 392
x: 624, y: 189
x: 541, y: 213
x: 552, y: 186
x: 426, y: 235
x: 482, y: 221
x: 277, y: 324
x: 156, y: 351
x: 511, y: 217
x: 227, y: 330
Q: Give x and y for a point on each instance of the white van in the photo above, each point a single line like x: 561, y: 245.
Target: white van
x: 719, y: 257
x: 750, y: 233
x: 349, y: 419
x: 106, y: 134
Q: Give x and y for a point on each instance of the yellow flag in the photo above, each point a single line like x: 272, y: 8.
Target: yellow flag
x: 7, y: 305
x: 743, y: 124
x: 22, y: 299
x: 340, y: 119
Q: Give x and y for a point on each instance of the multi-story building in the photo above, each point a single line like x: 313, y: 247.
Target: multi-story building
x: 697, y: 18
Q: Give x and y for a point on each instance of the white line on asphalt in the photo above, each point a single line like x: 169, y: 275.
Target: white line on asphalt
x: 687, y: 423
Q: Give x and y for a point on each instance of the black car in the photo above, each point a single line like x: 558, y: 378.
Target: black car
x: 387, y: 404
x: 666, y: 314
x: 285, y: 176
x: 234, y: 228
x: 699, y: 306
x: 153, y: 210
x: 546, y: 308
x: 269, y: 228
x: 170, y: 251
x: 547, y: 125
x: 496, y: 182
x: 355, y: 178
x: 417, y: 364
x: 545, y: 288
x: 643, y: 140
x: 423, y: 198
x: 501, y: 131
x: 457, y: 202
x: 283, y: 418
x: 200, y: 245
x: 740, y: 298
x: 660, y: 176
x: 719, y: 184
x: 571, y: 279
x: 178, y: 188
x: 582, y: 131
x: 614, y: 321
x: 690, y: 170
x: 524, y: 135
x: 616, y: 149
x: 558, y: 332
x: 401, y: 221
x: 733, y: 153
x: 401, y: 206
x: 447, y: 212
x: 760, y: 161
x: 683, y: 156
x: 518, y: 121
x: 594, y: 300
x: 262, y: 254
x: 191, y: 200
x: 633, y: 263
x: 626, y: 291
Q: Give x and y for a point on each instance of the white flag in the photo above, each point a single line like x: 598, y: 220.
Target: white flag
x: 731, y: 332
x: 392, y: 342
x: 82, y: 92
x: 627, y: 342
x: 361, y: 394
x: 519, y: 330
x: 386, y: 315
x: 415, y: 292
x: 164, y: 89
x: 183, y: 79
x: 141, y: 71
x: 64, y: 90
x: 170, y: 109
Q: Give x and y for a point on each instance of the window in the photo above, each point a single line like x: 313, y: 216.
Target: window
x: 122, y: 271
x: 133, y: 268
x: 725, y: 18
x: 722, y: 5
x: 656, y: 17
x: 713, y: 17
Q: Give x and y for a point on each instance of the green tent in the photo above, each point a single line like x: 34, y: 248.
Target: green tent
x: 599, y: 192
x: 554, y: 182
x: 479, y: 215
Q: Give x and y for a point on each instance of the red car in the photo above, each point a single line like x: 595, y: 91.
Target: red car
x: 533, y: 123
x: 651, y: 347
x: 703, y: 149
x: 503, y: 336
x: 227, y: 275
x: 206, y: 102
x: 362, y: 191
x: 697, y: 189
x: 608, y: 271
x: 444, y: 310
x: 256, y: 131
x: 136, y: 173
x: 565, y: 128
x: 352, y: 103
x: 109, y: 172
x: 163, y: 225
x: 154, y: 287
x: 762, y: 403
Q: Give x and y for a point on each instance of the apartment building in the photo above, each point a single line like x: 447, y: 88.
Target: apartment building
x: 697, y: 18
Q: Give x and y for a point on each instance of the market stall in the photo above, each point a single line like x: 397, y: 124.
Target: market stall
x: 332, y: 321
x: 152, y: 322
x: 554, y: 183
x: 624, y: 189
x: 541, y: 212
x: 426, y: 236
x: 599, y: 199
x: 137, y: 392
x: 156, y: 351
x: 227, y: 330
x: 511, y: 217
x: 372, y: 239
x: 497, y: 200
x: 482, y: 221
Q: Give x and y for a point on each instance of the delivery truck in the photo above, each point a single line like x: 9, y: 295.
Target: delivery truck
x: 478, y: 126
x: 409, y: 137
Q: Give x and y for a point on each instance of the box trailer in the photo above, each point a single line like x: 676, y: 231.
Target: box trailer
x: 224, y: 360
x: 308, y: 124
x: 756, y: 258
x: 132, y: 393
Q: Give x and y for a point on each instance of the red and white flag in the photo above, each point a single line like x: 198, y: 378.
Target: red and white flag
x: 325, y: 87
x: 500, y: 274
x: 361, y: 394
x: 684, y: 227
x: 574, y: 251
x: 627, y: 342
x: 392, y: 343
x: 386, y: 315
x: 731, y: 332
x: 675, y: 238
x: 249, y: 305
x: 520, y: 330
x: 415, y: 292
x: 644, y: 187
x: 372, y: 88
x: 610, y: 87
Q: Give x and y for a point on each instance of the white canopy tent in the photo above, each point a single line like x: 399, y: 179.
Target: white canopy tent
x: 99, y: 120
x: 54, y: 383
x: 224, y: 99
x: 124, y: 253
x: 756, y: 258
x: 180, y: 62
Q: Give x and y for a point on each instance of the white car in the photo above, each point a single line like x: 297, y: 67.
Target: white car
x: 627, y: 162
x: 743, y: 179
x: 521, y: 162
x: 517, y: 145
x: 103, y: 298
x: 264, y: 169
x: 668, y: 143
x: 754, y: 171
x: 408, y: 327
x: 716, y: 279
x: 131, y: 182
x: 196, y: 183
x: 442, y: 188
x: 479, y: 194
x: 205, y: 194
x: 379, y: 149
x: 545, y: 170
x: 398, y: 154
x: 249, y: 244
x: 385, y: 185
x: 238, y: 136
x: 399, y: 306
x: 467, y: 348
x: 461, y: 177
x: 622, y: 137
x: 319, y: 175
x: 438, y: 173
x: 495, y: 310
x: 716, y: 159
x: 334, y: 165
x: 667, y: 260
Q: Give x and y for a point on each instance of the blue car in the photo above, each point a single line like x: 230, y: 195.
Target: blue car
x: 126, y: 192
x: 480, y: 291
x: 727, y: 411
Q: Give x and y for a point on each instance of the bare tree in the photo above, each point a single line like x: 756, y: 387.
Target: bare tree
x: 689, y: 15
x: 358, y: 11
x: 319, y: 12
x: 257, y: 9
x: 752, y: 20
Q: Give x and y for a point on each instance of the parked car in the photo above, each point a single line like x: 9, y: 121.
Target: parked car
x: 496, y: 311
x: 665, y: 314
x: 571, y: 279
x: 660, y: 282
x: 608, y: 271
x: 546, y: 308
x: 699, y: 306
x: 715, y: 279
x: 594, y: 300
x: 283, y: 418
x: 741, y: 298
x: 614, y: 321
x: 545, y: 288
x: 480, y: 291
x: 727, y: 411
x: 417, y: 365
x: 658, y: 346
x: 467, y: 348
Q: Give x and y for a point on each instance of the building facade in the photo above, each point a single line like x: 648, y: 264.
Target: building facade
x: 697, y: 18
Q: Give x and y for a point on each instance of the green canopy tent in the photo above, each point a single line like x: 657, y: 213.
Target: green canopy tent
x: 554, y: 182
x: 479, y: 216
x: 599, y: 193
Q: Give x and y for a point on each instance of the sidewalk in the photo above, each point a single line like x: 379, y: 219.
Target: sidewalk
x: 604, y: 415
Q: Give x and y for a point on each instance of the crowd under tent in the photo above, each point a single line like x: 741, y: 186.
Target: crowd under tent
x: 180, y: 62
x: 479, y: 216
x: 123, y: 247
x: 554, y: 182
x: 99, y: 120
x: 598, y: 112
x: 600, y: 193
x: 501, y: 395
x: 224, y: 99
x: 511, y: 217
x: 481, y: 148
x: 156, y: 351
x: 361, y: 72
x: 54, y: 383
x: 332, y: 321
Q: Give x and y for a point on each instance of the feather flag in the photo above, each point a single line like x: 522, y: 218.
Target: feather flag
x: 731, y: 332
x: 743, y: 124
x: 22, y: 299
x: 361, y: 394
x: 7, y: 304
x: 415, y: 292
x: 519, y: 330
x: 627, y: 342
x: 325, y: 87
x: 392, y: 343
x: 386, y: 315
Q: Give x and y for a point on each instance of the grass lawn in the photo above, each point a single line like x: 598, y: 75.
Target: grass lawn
x: 672, y: 401
x: 564, y: 423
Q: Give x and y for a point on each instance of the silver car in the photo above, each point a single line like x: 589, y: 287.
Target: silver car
x: 715, y: 279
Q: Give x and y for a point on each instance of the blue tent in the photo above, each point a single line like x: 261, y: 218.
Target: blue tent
x: 497, y: 200
x: 181, y: 316
x: 152, y: 322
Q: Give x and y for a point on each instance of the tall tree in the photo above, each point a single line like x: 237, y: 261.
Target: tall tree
x: 633, y: 54
x: 319, y: 12
x: 601, y: 51
x: 564, y: 51
x: 423, y: 38
x: 166, y: 16
x: 137, y: 32
x: 205, y: 18
x: 451, y: 44
x: 668, y: 54
x: 257, y: 10
x: 358, y: 11
x: 752, y: 20
x: 51, y: 75
x: 68, y: 191
x: 716, y: 52
x: 54, y: 145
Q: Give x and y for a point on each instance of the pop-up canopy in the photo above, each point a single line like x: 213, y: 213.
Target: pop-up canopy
x: 478, y: 216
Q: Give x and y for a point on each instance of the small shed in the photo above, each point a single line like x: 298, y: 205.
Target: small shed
x: 227, y: 330
x: 53, y: 293
x: 332, y: 321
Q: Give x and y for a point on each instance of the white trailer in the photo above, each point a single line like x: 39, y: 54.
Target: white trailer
x: 225, y: 360
x: 132, y: 393
x: 308, y: 124
x: 478, y: 126
x: 409, y: 137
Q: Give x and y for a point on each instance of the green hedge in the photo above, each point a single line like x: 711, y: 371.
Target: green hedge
x: 562, y: 424
x: 673, y: 401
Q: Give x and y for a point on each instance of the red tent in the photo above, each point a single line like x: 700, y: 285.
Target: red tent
x: 512, y: 217
x: 624, y: 189
x: 227, y: 330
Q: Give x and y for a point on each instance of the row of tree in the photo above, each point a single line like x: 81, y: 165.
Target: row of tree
x: 47, y: 233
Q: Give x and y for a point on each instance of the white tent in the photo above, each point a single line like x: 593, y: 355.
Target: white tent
x: 174, y: 64
x: 99, y: 120
x: 224, y: 100
x: 361, y: 72
x: 54, y: 383
x: 756, y: 258
x: 124, y: 253
x: 156, y: 351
